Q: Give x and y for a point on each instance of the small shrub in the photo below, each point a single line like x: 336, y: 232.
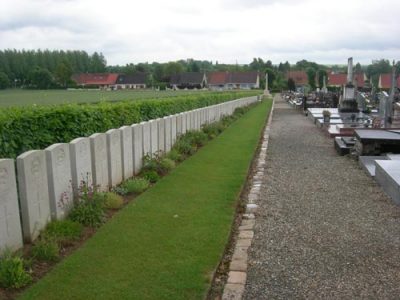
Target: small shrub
x: 113, y: 200
x: 120, y: 190
x: 166, y: 165
x: 13, y: 273
x: 151, y: 176
x: 89, y: 210
x: 213, y: 130
x: 63, y: 231
x: 150, y: 163
x: 46, y: 250
x: 136, y: 185
x: 175, y: 155
x: 184, y: 147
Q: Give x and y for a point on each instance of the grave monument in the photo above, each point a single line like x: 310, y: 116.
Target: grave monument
x: 348, y: 102
x: 266, y: 91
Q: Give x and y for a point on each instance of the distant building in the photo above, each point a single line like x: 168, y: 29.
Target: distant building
x: 135, y: 81
x: 340, y: 79
x: 385, y: 81
x: 188, y: 80
x: 300, y: 78
x: 233, y: 80
x: 102, y: 80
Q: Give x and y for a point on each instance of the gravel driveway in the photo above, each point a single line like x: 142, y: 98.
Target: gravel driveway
x: 324, y: 228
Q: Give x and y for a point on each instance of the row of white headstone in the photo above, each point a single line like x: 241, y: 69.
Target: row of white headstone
x: 49, y: 179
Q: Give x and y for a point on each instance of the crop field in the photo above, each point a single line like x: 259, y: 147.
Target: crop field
x: 45, y: 97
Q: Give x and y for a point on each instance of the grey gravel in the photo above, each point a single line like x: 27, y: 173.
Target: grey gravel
x: 324, y: 229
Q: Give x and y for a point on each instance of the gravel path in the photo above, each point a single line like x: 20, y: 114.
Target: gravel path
x: 324, y: 229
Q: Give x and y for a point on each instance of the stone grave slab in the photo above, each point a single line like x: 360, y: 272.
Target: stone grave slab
x: 98, y: 147
x: 10, y: 223
x: 34, y: 193
x: 393, y: 156
x: 81, y: 163
x: 59, y: 174
x: 387, y: 174
x: 127, y: 151
x: 137, y: 136
x: 114, y: 154
x: 368, y: 163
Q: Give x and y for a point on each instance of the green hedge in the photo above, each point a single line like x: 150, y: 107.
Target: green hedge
x: 36, y: 127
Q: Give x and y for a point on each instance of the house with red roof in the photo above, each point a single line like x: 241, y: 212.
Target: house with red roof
x: 385, y: 81
x: 102, y: 80
x: 300, y: 78
x: 340, y: 79
x: 233, y: 80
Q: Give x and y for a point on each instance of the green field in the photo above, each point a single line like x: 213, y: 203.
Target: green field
x: 167, y: 243
x: 46, y: 97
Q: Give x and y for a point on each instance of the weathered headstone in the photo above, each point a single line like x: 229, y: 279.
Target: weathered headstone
x: 98, y: 147
x: 183, y: 122
x: 34, y: 193
x: 188, y: 121
x: 146, y: 138
x: 173, y: 129
x: 179, y: 124
x: 10, y: 222
x: 167, y: 133
x: 60, y: 180
x: 137, y: 136
x: 161, y: 135
x: 114, y: 154
x: 81, y: 164
x: 127, y: 151
x: 153, y: 136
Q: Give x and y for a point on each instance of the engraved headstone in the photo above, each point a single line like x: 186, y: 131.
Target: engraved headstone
x: 146, y: 138
x: 114, y: 154
x: 179, y: 124
x: 183, y: 122
x: 153, y: 136
x: 127, y: 151
x: 98, y: 147
x: 34, y: 193
x: 81, y: 164
x: 161, y: 135
x: 173, y: 129
x: 167, y: 133
x: 137, y: 136
x: 60, y: 180
x: 10, y: 223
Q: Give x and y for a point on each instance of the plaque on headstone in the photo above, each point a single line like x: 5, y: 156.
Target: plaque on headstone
x: 98, y: 147
x: 34, y: 193
x: 127, y: 151
x: 114, y: 154
x: 10, y: 223
x: 60, y: 180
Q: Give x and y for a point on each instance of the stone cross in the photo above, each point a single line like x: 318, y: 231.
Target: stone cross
x: 266, y: 91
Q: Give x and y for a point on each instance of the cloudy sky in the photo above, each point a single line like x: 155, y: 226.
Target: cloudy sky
x: 218, y: 30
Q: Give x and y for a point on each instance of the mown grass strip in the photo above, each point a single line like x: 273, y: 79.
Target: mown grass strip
x: 166, y: 244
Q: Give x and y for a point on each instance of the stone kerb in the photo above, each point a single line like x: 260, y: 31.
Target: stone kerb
x: 146, y: 138
x: 81, y: 163
x: 161, y: 135
x: 59, y: 174
x: 34, y: 193
x: 10, y: 224
x: 137, y: 136
x: 98, y: 147
x: 114, y: 157
x: 127, y: 151
x: 153, y: 137
x: 167, y: 133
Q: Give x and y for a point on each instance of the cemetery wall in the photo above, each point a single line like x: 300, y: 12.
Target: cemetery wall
x: 48, y: 179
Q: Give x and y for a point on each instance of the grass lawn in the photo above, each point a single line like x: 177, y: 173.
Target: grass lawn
x: 44, y: 97
x: 165, y: 244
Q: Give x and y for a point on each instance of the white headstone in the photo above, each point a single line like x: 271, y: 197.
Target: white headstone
x: 146, y: 138
x: 153, y: 136
x: 114, y: 154
x: 137, y: 136
x: 61, y: 195
x: 98, y: 147
x: 183, y: 122
x: 127, y: 151
x: 81, y: 164
x: 167, y: 133
x: 173, y: 129
x: 179, y: 124
x: 161, y: 135
x: 10, y: 222
x: 188, y: 121
x: 34, y: 193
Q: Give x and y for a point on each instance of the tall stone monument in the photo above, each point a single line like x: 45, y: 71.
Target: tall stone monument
x: 348, y: 102
x: 266, y: 91
x: 324, y: 88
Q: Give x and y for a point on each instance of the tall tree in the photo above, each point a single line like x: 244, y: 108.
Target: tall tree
x: 4, y: 81
x: 63, y: 73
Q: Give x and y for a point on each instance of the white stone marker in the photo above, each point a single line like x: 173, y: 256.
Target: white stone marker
x: 146, y: 138
x: 161, y: 135
x: 59, y: 174
x: 173, y: 129
x: 81, y: 163
x: 188, y: 121
x: 137, y: 138
x: 127, y: 151
x: 179, y: 124
x: 153, y: 136
x: 98, y: 147
x: 183, y: 122
x: 34, y: 193
x: 193, y: 119
x: 167, y: 133
x: 114, y: 155
x: 10, y: 223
